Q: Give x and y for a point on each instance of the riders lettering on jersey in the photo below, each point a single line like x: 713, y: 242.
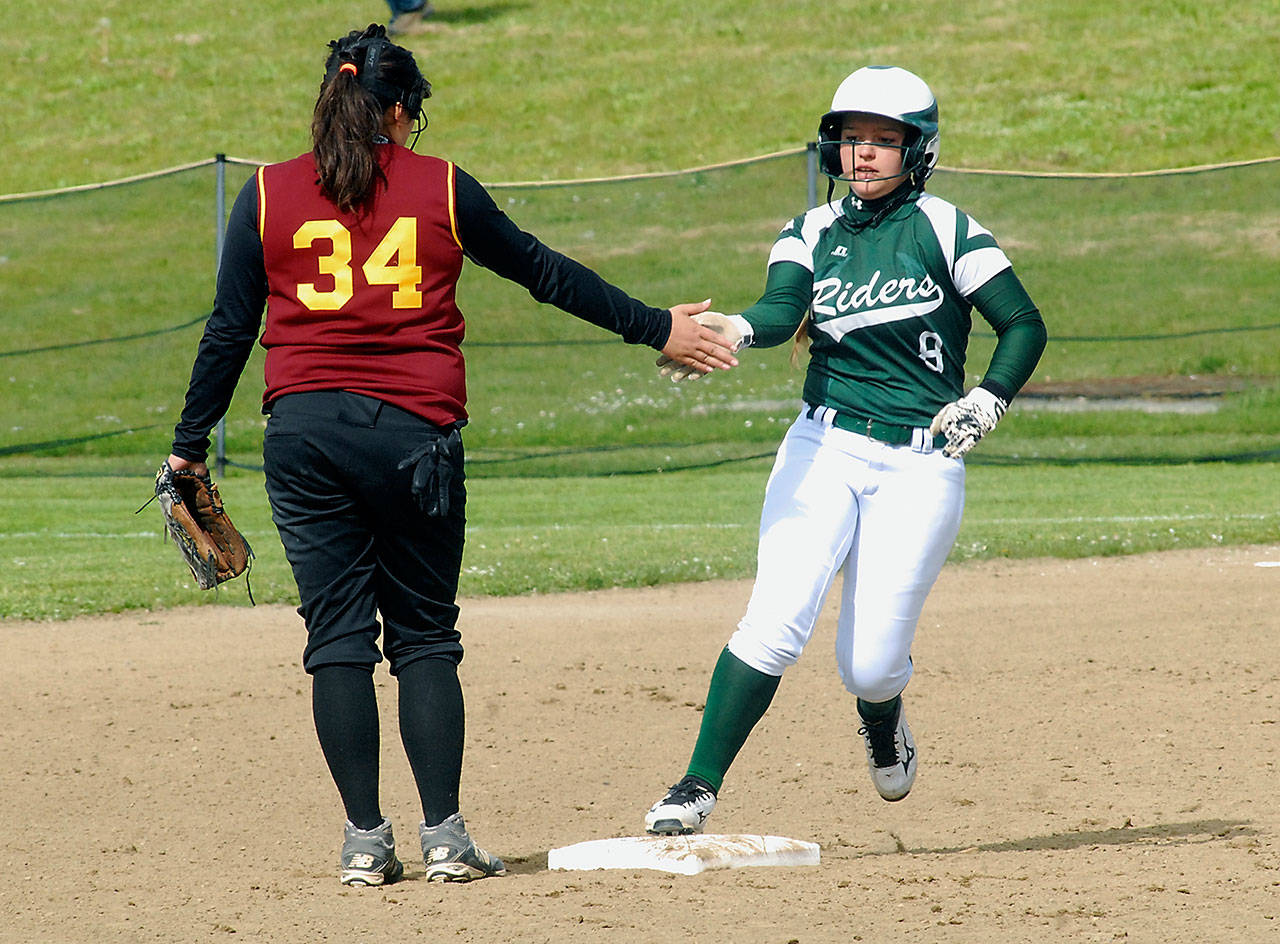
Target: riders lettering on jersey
x: 365, y: 302
x: 840, y: 307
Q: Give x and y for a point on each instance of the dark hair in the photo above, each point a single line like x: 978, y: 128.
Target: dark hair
x: 365, y: 74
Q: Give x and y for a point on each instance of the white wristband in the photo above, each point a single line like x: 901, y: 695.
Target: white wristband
x: 744, y: 327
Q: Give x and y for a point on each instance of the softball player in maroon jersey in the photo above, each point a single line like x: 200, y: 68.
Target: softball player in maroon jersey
x: 355, y: 250
x: 869, y: 481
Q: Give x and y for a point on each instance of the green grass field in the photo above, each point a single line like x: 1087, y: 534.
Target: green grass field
x: 102, y: 292
x: 67, y: 549
x: 535, y: 91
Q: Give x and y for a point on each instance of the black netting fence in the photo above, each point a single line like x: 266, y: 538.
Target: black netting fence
x: 1159, y: 293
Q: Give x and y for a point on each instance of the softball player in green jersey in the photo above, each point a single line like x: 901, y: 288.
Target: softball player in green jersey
x: 869, y: 480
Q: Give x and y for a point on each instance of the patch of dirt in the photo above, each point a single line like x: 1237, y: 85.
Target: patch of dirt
x: 1097, y: 738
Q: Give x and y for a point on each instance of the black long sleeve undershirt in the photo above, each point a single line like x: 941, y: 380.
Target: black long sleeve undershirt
x: 230, y: 332
x: 488, y: 237
x: 491, y: 239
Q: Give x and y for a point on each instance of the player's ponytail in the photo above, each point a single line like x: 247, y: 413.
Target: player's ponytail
x: 800, y: 341
x: 346, y: 120
x: 365, y: 75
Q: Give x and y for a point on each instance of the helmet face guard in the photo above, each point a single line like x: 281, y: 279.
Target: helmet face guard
x: 830, y: 151
x: 886, y: 92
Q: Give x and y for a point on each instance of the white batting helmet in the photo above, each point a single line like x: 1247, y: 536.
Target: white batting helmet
x: 890, y: 92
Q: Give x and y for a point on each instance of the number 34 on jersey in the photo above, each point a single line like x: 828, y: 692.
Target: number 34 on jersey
x: 393, y: 261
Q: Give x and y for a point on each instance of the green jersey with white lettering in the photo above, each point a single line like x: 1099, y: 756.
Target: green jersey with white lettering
x: 890, y: 297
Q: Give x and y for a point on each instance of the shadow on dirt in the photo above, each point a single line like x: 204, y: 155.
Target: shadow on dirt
x: 1203, y: 830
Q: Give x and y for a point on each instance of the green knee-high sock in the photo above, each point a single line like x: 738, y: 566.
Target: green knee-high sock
x: 736, y: 700
x: 879, y: 710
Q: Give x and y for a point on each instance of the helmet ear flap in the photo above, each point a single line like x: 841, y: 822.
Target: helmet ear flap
x: 922, y: 157
x: 913, y: 155
x: 829, y: 132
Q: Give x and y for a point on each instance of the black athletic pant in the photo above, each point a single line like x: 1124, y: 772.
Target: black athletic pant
x: 359, y: 544
x: 341, y: 469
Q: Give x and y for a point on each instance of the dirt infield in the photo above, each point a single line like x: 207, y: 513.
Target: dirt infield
x: 1098, y: 743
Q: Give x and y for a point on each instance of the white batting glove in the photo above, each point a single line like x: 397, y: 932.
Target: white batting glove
x: 967, y: 420
x: 722, y: 325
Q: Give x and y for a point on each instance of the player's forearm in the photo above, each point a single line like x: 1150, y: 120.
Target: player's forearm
x: 559, y: 280
x: 1020, y: 330
x: 1015, y: 357
x: 774, y: 318
x: 213, y: 381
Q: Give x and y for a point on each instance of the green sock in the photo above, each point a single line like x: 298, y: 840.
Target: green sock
x: 878, y: 710
x: 736, y: 700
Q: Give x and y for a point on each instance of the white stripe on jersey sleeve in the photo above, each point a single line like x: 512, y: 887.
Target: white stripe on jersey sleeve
x: 942, y: 217
x: 791, y: 249
x: 974, y: 268
x: 797, y: 247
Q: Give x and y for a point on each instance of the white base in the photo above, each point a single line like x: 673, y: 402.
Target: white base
x: 684, y: 855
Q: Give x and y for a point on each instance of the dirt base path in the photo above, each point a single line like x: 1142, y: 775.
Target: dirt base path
x: 1098, y: 743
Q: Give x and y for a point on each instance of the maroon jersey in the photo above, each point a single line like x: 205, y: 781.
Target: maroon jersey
x: 365, y: 302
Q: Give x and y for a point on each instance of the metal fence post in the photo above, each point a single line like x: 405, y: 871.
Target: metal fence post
x: 811, y: 160
x: 220, y: 208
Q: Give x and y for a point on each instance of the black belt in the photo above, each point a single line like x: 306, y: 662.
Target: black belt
x: 890, y: 433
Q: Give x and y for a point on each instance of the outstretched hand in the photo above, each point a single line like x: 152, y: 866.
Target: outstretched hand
x: 697, y: 346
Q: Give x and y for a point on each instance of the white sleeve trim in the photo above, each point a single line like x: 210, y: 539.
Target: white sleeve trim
x: 792, y: 249
x: 942, y: 217
x: 975, y: 269
x: 744, y: 326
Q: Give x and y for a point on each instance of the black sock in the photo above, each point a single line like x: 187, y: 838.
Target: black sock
x: 432, y: 727
x: 345, y: 710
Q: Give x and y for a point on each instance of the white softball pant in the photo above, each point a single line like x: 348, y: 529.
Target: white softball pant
x: 885, y: 515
